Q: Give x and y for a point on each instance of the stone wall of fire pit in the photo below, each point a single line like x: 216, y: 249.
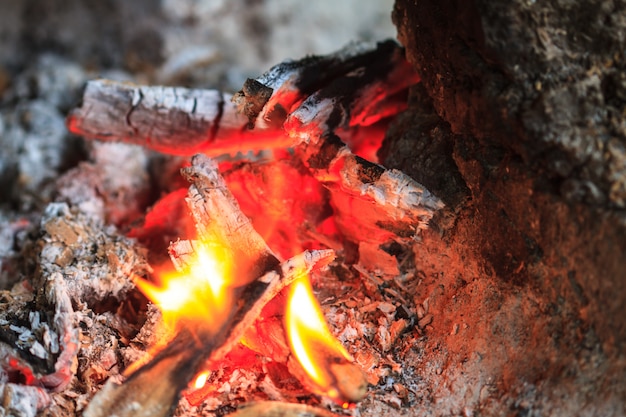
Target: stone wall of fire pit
x: 513, y: 300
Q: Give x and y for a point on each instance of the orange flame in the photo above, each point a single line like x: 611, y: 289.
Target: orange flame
x: 201, y: 295
x: 310, y: 339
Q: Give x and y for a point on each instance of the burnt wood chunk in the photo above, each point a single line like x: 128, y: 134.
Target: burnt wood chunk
x: 171, y: 120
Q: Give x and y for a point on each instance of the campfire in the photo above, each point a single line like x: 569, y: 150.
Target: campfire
x: 432, y: 226
x: 227, y: 287
x: 228, y: 273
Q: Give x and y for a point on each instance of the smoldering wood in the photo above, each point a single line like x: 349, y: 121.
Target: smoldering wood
x: 390, y: 204
x: 172, y: 368
x: 312, y: 107
x: 178, y: 362
x: 287, y: 272
x: 286, y: 220
x: 301, y: 103
x: 364, y: 81
x: 218, y: 218
x: 172, y: 120
x: 215, y: 209
x: 472, y: 71
x: 370, y: 80
x: 525, y: 101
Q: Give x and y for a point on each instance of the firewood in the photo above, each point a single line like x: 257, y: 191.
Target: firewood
x: 154, y: 389
x: 218, y: 218
x: 304, y: 104
x: 172, y: 120
x: 217, y: 215
x: 183, y: 121
x: 372, y: 204
x: 363, y: 81
x: 286, y: 273
x: 285, y: 219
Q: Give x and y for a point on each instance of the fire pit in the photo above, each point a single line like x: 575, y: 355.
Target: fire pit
x: 379, y: 230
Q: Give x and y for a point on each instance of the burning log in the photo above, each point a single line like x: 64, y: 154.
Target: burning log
x: 309, y: 104
x: 286, y: 220
x: 218, y: 218
x: 172, y: 120
x: 154, y: 388
x: 209, y: 195
x: 363, y: 83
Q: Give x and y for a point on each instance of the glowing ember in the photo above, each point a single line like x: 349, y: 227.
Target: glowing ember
x: 200, y: 295
x: 310, y: 339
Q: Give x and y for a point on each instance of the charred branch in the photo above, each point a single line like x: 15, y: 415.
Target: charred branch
x: 304, y: 104
x: 172, y: 120
x: 362, y: 80
x: 217, y: 217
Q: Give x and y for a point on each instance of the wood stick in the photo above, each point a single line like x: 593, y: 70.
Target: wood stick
x: 390, y: 204
x: 172, y: 120
x: 363, y: 81
x: 218, y: 218
x: 297, y: 266
x: 373, y: 81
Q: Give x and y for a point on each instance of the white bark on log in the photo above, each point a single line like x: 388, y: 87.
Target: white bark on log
x: 218, y: 218
x: 172, y: 120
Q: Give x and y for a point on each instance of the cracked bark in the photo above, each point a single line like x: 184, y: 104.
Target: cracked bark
x: 175, y: 120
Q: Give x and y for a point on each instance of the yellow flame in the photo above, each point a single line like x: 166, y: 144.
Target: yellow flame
x: 202, y: 294
x: 201, y: 379
x: 310, y: 340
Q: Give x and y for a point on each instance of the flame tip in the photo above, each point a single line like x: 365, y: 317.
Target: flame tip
x: 310, y: 339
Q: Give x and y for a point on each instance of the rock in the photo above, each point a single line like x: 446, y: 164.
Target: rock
x: 528, y: 260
